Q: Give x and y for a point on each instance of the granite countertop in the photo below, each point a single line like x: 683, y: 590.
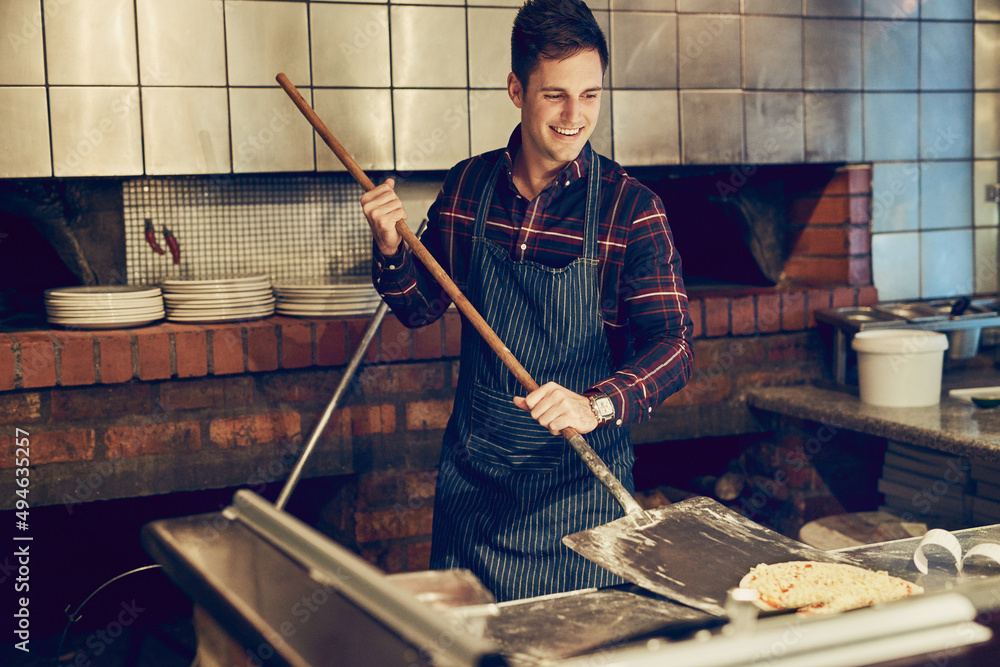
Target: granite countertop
x: 953, y: 426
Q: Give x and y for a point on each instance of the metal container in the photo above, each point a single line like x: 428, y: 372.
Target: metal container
x: 964, y: 343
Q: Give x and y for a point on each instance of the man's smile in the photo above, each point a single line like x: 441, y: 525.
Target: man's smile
x: 565, y: 131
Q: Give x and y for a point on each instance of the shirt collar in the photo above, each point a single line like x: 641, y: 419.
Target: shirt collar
x: 573, y: 171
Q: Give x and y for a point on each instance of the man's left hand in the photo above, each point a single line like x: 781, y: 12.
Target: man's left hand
x: 556, y: 408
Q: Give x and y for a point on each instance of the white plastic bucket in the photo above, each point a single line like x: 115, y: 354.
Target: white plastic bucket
x: 900, y: 368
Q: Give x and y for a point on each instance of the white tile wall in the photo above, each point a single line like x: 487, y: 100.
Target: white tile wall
x: 268, y: 133
x: 946, y: 265
x: 895, y: 197
x: 896, y: 265
x: 644, y: 50
x: 774, y: 127
x: 984, y: 172
x: 945, y: 195
x: 885, y: 137
x: 24, y: 143
x: 654, y: 113
x: 186, y: 130
x: 265, y: 37
x: 361, y: 119
x: 711, y: 127
x: 492, y: 118
x: 912, y: 87
x: 167, y: 30
x: 23, y: 59
x: 986, y: 280
x: 431, y: 128
x: 91, y: 43
x: 95, y: 130
x: 489, y: 60
x: 428, y: 47
x: 709, y: 49
x: 351, y: 45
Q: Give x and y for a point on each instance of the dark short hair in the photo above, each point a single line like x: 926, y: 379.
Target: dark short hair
x: 553, y: 29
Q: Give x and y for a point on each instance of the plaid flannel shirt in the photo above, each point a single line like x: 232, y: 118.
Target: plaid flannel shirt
x: 643, y: 301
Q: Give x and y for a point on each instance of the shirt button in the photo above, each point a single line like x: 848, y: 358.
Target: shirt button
x: 650, y: 409
x: 618, y: 422
x: 392, y: 267
x: 524, y: 246
x: 566, y: 183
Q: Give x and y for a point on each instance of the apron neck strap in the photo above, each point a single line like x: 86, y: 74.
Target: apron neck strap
x: 590, y: 222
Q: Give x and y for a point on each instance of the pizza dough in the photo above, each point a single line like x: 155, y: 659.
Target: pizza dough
x: 823, y: 588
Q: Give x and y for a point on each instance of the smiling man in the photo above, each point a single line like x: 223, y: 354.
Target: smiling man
x: 572, y: 263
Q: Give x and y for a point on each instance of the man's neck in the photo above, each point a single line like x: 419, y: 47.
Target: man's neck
x: 533, y: 176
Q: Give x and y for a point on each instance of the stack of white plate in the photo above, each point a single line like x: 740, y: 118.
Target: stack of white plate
x: 337, y: 297
x: 103, y: 306
x: 219, y: 300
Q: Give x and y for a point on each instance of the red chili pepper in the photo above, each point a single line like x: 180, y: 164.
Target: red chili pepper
x: 151, y: 237
x: 175, y: 249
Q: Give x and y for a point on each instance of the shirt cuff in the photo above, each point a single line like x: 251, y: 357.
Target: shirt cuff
x: 389, y: 263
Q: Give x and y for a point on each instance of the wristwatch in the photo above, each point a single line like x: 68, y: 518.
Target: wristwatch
x: 603, y: 408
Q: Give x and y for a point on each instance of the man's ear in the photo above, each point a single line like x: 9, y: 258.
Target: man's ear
x: 514, y: 90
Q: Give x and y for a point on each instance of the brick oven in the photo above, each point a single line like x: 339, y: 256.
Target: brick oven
x: 175, y: 407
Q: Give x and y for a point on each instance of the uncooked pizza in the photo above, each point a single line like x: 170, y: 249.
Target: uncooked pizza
x: 819, y: 588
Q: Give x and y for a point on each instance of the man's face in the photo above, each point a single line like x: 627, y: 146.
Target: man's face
x: 559, y: 107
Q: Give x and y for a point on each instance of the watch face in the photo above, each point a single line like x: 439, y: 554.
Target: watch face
x: 605, y: 407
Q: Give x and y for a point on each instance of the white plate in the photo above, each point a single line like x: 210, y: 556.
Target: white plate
x: 325, y: 283
x: 358, y: 313
x: 120, y: 314
x: 319, y: 307
x: 329, y: 302
x: 81, y: 321
x: 104, y: 325
x: 217, y: 282
x: 330, y: 312
x: 102, y: 303
x: 180, y: 310
x: 221, y: 316
x: 221, y: 301
x: 195, y: 292
x: 967, y: 394
x: 326, y: 294
x: 100, y: 291
x: 80, y: 305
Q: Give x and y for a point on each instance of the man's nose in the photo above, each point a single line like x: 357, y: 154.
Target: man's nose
x: 571, y: 109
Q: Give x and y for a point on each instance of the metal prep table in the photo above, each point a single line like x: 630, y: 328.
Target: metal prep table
x: 269, y: 590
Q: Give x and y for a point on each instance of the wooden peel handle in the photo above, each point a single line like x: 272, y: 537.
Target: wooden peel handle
x: 586, y: 452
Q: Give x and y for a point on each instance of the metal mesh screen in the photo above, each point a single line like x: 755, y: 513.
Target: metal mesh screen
x: 287, y: 227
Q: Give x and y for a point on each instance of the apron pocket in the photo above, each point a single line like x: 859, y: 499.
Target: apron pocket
x: 504, y: 435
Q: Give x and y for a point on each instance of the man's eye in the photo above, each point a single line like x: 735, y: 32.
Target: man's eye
x: 553, y: 97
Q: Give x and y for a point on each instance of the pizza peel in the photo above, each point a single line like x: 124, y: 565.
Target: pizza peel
x: 692, y: 551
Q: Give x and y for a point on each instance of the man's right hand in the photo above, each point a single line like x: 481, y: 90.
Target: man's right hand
x: 383, y: 209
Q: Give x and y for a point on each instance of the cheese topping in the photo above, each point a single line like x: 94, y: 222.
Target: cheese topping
x: 824, y: 587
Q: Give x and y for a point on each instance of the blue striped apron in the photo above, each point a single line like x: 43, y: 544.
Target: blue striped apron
x: 507, y: 489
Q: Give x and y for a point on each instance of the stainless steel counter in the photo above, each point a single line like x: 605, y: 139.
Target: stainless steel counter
x: 272, y: 606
